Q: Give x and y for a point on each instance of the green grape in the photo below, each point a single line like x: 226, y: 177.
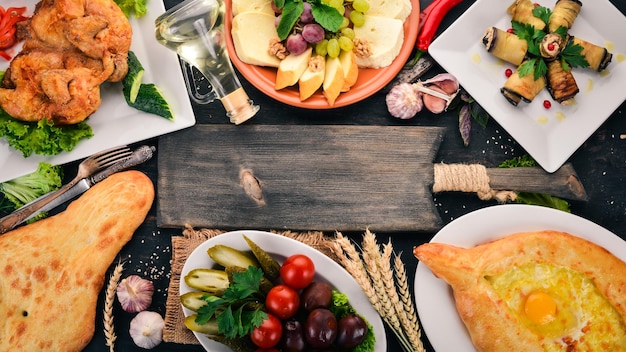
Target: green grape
x: 333, y: 47
x: 357, y: 18
x: 361, y: 5
x: 347, y: 32
x: 345, y: 43
x: 345, y: 23
x: 338, y: 4
x: 321, y: 48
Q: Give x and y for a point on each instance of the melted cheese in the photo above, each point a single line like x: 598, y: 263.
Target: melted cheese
x: 562, y: 306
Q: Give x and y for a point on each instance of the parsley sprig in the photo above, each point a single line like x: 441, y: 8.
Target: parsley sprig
x: 570, y: 56
x: 236, y: 310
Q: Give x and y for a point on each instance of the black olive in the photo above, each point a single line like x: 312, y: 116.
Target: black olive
x: 320, y: 329
x: 316, y: 295
x: 351, y: 331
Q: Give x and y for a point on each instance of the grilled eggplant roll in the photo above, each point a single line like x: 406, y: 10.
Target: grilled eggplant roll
x: 525, y: 88
x: 598, y: 57
x: 564, y: 14
x: 551, y: 46
x: 505, y: 46
x: 522, y: 11
x: 561, y: 83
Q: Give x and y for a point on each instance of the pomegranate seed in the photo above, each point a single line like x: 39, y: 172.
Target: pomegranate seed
x: 547, y: 104
x: 536, y: 4
x: 510, y: 30
x: 508, y: 72
x: 551, y: 46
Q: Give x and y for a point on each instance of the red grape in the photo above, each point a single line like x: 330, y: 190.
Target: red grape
x: 313, y: 33
x: 296, y: 44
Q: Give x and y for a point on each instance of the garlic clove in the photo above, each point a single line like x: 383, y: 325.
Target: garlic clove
x: 146, y: 329
x: 403, y: 101
x: 435, y: 103
x: 135, y: 293
x: 446, y: 81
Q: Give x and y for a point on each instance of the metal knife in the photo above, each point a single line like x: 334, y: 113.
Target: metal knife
x: 139, y: 156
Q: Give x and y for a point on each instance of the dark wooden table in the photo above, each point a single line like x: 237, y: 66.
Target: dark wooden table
x: 600, y: 163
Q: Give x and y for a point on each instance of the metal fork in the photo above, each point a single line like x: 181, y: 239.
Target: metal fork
x: 86, y: 168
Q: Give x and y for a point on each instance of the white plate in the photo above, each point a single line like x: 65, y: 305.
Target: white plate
x: 433, y: 297
x: 549, y: 136
x: 280, y: 248
x: 115, y: 123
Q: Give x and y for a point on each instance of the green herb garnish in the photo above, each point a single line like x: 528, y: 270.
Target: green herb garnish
x: 236, y: 311
x: 545, y: 200
x: 570, y: 56
x: 326, y: 16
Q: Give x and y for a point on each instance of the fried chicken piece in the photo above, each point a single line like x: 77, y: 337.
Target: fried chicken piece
x: 102, y: 32
x: 48, y: 84
x: 70, y: 48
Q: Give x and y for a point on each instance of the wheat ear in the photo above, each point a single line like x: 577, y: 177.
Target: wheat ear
x: 373, y: 262
x: 109, y: 329
x: 413, y: 327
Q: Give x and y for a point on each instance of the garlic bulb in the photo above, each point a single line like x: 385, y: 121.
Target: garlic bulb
x: 135, y: 293
x: 403, y: 101
x: 146, y: 329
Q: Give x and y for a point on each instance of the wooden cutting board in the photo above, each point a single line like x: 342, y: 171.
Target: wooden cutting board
x: 311, y: 177
x: 315, y: 177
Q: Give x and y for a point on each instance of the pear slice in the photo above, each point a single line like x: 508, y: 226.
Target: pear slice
x: 312, y: 78
x: 350, y: 69
x: 333, y: 79
x: 291, y: 68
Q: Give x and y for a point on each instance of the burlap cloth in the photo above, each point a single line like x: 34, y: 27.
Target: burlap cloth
x: 182, y: 246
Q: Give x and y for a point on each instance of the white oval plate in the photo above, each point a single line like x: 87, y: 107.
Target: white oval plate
x: 433, y: 297
x: 280, y: 248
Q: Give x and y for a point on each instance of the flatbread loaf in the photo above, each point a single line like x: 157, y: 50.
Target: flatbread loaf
x: 535, y: 291
x: 52, y: 271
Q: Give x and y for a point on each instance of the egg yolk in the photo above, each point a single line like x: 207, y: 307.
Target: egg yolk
x: 540, y: 308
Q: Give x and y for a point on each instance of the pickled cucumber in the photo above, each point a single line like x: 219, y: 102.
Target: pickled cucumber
x: 193, y: 300
x: 227, y: 256
x: 210, y: 328
x: 208, y: 280
x: 270, y: 266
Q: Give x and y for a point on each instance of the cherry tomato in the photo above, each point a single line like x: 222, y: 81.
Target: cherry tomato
x: 297, y: 271
x: 268, y: 334
x: 282, y: 301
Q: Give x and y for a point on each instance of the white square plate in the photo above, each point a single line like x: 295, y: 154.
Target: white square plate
x: 115, y: 123
x: 552, y: 135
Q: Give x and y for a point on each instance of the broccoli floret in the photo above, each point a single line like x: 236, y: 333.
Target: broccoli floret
x: 24, y: 189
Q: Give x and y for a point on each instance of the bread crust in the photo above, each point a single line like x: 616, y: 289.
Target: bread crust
x: 52, y: 271
x: 480, y: 307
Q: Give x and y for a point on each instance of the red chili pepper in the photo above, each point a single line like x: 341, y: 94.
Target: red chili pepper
x: 435, y: 12
x: 8, y: 19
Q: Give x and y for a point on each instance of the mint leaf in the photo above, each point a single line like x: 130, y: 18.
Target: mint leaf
x: 327, y: 16
x: 290, y: 15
